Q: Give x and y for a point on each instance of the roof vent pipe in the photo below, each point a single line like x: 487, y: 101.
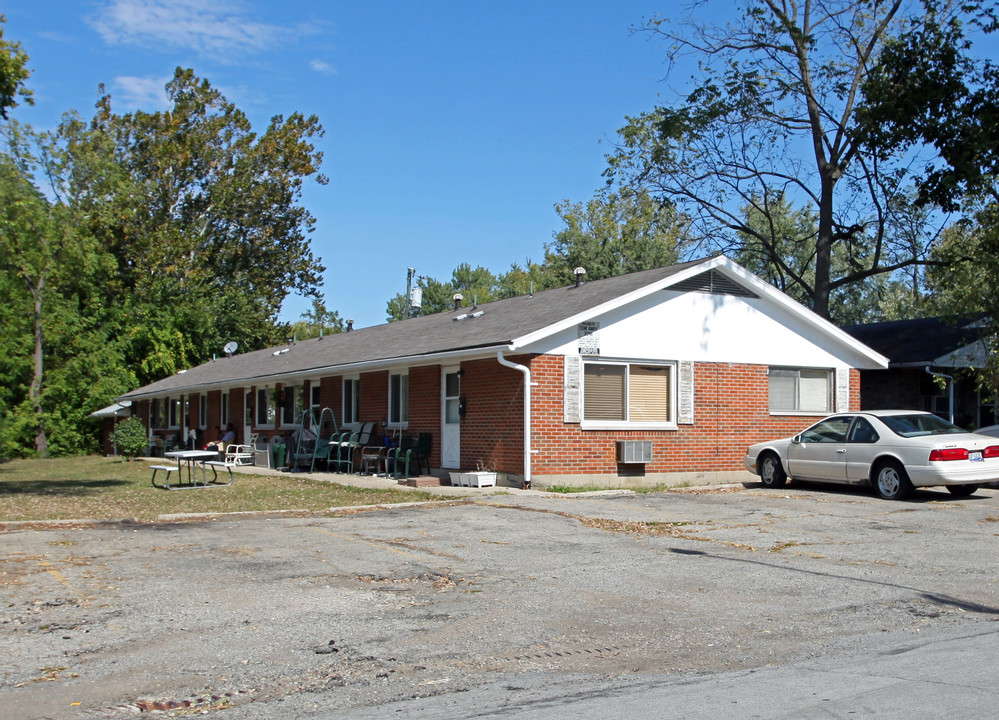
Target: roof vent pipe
x: 458, y: 297
x: 580, y: 274
x: 350, y: 325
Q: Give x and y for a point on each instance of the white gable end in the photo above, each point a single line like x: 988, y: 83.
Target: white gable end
x: 703, y: 327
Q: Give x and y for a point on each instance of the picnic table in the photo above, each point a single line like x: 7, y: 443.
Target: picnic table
x: 194, y: 460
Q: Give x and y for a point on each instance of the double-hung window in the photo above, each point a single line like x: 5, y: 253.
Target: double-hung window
x: 224, y: 410
x: 801, y: 390
x: 398, y: 400
x: 629, y: 394
x: 203, y: 411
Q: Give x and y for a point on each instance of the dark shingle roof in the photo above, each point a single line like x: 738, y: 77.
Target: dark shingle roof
x: 917, y: 341
x: 499, y: 324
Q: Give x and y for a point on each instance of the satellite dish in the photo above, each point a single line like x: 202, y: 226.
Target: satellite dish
x: 230, y: 347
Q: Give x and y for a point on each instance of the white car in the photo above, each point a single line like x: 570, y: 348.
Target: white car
x: 892, y: 450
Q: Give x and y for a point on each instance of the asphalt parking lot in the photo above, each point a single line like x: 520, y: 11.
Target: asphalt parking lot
x: 299, y: 615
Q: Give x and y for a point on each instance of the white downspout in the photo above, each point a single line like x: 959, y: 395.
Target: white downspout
x: 527, y: 413
x: 950, y: 389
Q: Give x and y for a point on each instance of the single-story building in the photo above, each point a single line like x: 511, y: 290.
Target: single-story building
x: 930, y: 360
x: 660, y: 376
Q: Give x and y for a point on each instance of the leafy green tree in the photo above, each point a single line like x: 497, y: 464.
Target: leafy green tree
x: 13, y: 74
x: 771, y: 116
x: 61, y: 359
x: 137, y: 245
x: 202, y: 217
x: 532, y: 277
x: 966, y: 283
x: 34, y: 242
x: 315, y: 321
x: 614, y: 234
x: 929, y: 89
x: 609, y: 235
x: 476, y: 285
x: 789, y: 266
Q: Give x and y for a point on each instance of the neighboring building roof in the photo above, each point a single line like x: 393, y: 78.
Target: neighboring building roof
x: 118, y: 409
x: 923, y: 341
x: 509, y: 324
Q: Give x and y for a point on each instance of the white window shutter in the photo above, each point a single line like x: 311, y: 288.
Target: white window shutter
x: 685, y: 393
x: 571, y: 388
x: 842, y: 389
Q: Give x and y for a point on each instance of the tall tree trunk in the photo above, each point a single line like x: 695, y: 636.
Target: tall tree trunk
x: 35, y: 390
x: 823, y: 249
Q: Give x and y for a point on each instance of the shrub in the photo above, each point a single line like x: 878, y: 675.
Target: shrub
x: 130, y: 437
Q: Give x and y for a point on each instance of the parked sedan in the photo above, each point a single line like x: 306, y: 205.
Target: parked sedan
x: 892, y: 450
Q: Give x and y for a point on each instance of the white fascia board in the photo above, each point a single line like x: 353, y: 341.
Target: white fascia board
x: 346, y: 368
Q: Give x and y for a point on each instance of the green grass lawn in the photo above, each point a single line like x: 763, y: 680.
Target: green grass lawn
x: 97, y: 488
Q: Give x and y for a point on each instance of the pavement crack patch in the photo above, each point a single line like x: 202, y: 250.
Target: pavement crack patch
x: 439, y: 581
x: 675, y: 529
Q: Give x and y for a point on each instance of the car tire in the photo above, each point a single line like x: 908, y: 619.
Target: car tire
x: 771, y: 471
x: 891, y: 481
x: 962, y: 490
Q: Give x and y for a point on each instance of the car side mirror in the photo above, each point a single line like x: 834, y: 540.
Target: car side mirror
x: 796, y: 439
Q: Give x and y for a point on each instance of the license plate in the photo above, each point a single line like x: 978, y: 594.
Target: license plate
x: 975, y: 456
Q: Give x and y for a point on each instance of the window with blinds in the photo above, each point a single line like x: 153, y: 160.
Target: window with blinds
x: 803, y: 390
x: 621, y: 392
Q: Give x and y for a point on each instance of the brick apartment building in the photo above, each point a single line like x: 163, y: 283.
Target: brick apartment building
x: 661, y: 376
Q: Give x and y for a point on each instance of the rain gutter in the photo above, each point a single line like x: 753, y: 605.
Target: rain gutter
x: 527, y: 413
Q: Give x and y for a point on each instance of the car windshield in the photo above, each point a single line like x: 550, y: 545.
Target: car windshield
x: 920, y: 424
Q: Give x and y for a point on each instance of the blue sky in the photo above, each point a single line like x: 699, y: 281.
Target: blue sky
x: 452, y: 128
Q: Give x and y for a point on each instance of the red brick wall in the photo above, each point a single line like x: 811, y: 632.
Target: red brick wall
x: 730, y: 413
x: 214, y: 416
x: 331, y: 396
x: 854, y: 390
x: 373, y: 401
x: 425, y: 406
x: 492, y: 431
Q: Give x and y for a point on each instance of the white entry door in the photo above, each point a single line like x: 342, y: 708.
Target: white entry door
x: 451, y: 430
x: 247, y: 418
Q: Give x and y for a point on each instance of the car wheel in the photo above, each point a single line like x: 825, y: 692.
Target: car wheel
x: 891, y: 481
x: 962, y: 490
x: 771, y: 471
